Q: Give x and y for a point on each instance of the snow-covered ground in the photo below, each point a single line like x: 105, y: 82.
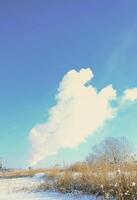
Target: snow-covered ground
x: 11, y: 189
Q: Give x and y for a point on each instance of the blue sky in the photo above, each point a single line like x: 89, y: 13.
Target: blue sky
x: 39, y: 42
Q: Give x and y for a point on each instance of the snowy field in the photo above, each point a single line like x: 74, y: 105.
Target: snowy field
x: 11, y: 189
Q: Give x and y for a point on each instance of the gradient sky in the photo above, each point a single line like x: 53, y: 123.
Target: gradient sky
x: 40, y: 40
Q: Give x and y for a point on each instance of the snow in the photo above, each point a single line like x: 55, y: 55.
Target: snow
x: 42, y: 196
x: 39, y: 176
x: 11, y: 189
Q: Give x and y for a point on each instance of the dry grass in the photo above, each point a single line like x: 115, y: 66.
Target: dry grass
x: 105, y: 180
x: 53, y: 172
x: 86, y: 182
x: 22, y: 173
x: 101, y: 179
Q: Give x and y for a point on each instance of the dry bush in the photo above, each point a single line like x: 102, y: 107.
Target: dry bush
x: 65, y: 182
x: 96, y: 179
x: 126, y: 186
x: 78, y: 167
x: 86, y: 182
x: 110, y: 170
x: 53, y: 172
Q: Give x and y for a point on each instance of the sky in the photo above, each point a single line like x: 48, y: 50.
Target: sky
x: 44, y: 42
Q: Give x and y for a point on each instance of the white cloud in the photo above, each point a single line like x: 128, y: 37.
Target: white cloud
x: 130, y: 94
x: 79, y: 111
